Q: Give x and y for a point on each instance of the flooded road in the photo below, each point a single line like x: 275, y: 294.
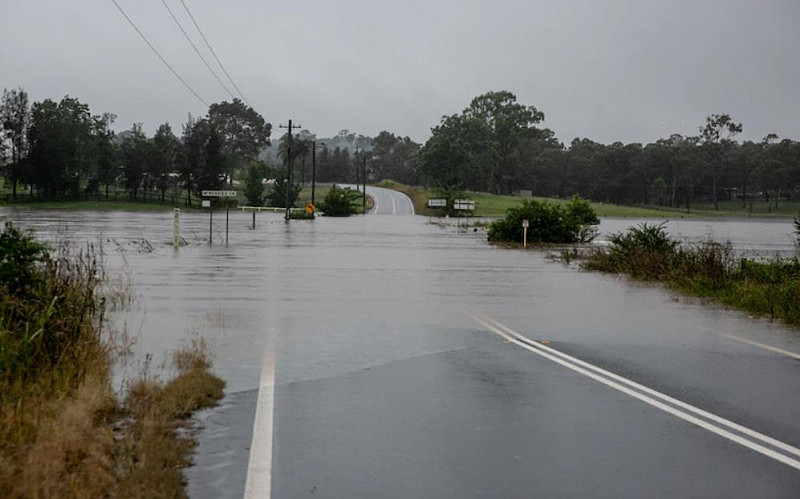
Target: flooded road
x: 397, y: 366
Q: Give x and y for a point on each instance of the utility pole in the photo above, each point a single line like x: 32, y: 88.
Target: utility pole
x: 364, y: 181
x: 290, y: 127
x: 314, y: 171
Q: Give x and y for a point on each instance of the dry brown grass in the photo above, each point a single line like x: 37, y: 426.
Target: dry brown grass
x: 63, y: 433
x: 85, y: 444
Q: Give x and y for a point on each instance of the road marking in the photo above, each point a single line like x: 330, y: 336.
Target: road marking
x: 375, y: 205
x: 259, y: 468
x: 615, y: 381
x: 394, y: 205
x: 761, y: 345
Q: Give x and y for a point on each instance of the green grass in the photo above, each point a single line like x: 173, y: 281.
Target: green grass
x: 305, y: 195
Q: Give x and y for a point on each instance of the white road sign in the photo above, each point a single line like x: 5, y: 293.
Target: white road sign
x: 219, y: 194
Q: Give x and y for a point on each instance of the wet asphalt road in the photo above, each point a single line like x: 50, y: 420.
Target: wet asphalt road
x: 385, y: 386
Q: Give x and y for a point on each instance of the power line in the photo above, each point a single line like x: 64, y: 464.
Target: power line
x: 186, y: 35
x: 159, y: 55
x: 212, y: 51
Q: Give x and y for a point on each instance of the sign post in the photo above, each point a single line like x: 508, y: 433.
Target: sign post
x: 207, y: 202
x: 176, y: 228
x: 525, y: 233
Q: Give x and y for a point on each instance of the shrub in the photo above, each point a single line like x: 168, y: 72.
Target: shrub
x: 340, y: 202
x: 19, y: 255
x: 548, y: 222
x: 277, y: 195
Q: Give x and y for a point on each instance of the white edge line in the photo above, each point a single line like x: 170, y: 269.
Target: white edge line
x: 761, y: 345
x: 648, y: 400
x: 720, y: 420
x: 259, y: 467
x: 375, y: 205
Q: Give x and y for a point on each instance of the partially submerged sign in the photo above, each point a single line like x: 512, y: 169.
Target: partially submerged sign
x: 219, y: 194
x: 464, y: 204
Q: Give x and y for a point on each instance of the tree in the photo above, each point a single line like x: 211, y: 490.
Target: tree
x: 192, y: 155
x: 277, y: 195
x: 509, y: 124
x: 135, y: 153
x: 253, y: 184
x: 482, y: 148
x: 60, y: 139
x: 715, y: 139
x: 395, y: 158
x: 166, y: 150
x: 105, y: 167
x: 212, y: 172
x: 243, y: 132
x: 15, y: 117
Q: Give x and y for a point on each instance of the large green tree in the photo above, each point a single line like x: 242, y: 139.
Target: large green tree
x: 60, y: 139
x: 483, y: 147
x: 715, y: 138
x: 242, y: 131
x: 15, y: 117
x: 166, y: 151
x: 136, y: 154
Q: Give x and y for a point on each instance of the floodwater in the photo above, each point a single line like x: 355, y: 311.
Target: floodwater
x: 379, y: 306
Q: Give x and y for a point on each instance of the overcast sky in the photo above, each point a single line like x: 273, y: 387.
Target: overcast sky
x: 629, y: 71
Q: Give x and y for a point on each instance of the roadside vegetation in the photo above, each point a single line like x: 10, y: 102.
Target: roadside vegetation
x: 339, y: 202
x: 710, y: 270
x: 63, y: 431
x: 548, y: 222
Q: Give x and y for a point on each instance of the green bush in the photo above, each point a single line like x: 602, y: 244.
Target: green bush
x: 710, y: 270
x: 19, y: 255
x: 548, y: 222
x: 47, y: 307
x: 340, y: 202
x: 277, y: 195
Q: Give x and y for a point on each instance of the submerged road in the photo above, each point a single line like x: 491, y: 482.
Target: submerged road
x: 387, y: 357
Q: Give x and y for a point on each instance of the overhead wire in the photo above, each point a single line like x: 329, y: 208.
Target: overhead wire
x: 211, y: 49
x: 158, y: 54
x: 188, y: 39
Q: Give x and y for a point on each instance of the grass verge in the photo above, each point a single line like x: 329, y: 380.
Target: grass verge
x: 648, y: 253
x: 63, y: 432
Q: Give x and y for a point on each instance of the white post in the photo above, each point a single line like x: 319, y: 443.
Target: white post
x: 176, y: 228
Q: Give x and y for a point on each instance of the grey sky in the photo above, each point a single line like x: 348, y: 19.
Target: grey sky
x: 630, y: 71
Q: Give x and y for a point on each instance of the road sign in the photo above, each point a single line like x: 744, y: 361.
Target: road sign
x: 437, y: 203
x: 464, y: 204
x: 219, y: 194
x: 525, y: 223
x: 206, y: 203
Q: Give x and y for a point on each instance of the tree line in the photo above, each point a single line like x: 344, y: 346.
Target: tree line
x: 497, y: 145
x: 60, y: 148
